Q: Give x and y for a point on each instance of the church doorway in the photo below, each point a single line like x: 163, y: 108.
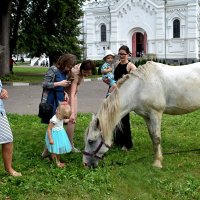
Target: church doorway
x: 139, y: 43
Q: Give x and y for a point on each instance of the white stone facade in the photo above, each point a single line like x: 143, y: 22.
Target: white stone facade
x: 151, y: 20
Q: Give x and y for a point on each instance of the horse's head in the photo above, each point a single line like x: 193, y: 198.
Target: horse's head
x: 95, y: 147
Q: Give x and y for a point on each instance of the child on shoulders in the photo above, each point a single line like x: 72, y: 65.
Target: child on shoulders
x: 56, y: 139
x: 107, y: 71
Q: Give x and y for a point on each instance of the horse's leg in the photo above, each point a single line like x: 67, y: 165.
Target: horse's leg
x: 154, y: 126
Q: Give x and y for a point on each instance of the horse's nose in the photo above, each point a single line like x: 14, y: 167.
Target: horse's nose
x: 89, y: 165
x: 85, y: 164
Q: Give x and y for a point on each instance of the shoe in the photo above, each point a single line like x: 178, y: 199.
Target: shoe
x: 75, y: 150
x: 124, y: 148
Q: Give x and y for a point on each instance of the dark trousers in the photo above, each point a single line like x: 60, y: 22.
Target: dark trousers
x: 122, y: 136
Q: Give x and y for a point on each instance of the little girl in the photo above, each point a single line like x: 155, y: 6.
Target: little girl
x: 57, y: 141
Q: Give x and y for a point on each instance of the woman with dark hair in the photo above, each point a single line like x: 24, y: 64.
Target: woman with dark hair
x: 122, y: 135
x: 78, y: 73
x: 56, y: 79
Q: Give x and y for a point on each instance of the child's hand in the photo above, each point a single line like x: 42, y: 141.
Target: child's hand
x: 72, y: 118
x: 4, y: 94
x: 110, y: 69
x: 66, y: 121
x: 51, y: 141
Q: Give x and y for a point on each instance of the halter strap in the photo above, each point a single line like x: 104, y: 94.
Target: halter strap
x: 93, y: 154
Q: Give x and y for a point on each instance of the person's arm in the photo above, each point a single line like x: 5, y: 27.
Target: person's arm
x: 105, y: 71
x: 49, y: 129
x: 49, y: 83
x: 131, y: 67
x: 73, y: 91
x: 106, y: 68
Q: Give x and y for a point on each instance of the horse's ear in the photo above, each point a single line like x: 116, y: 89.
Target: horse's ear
x: 97, y: 123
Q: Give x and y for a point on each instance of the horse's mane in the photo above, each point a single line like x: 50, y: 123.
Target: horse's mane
x: 109, y: 112
x: 109, y: 115
x: 144, y: 71
x: 122, y: 80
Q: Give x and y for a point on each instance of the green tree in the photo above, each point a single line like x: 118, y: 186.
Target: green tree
x: 19, y: 8
x: 39, y: 26
x: 51, y: 27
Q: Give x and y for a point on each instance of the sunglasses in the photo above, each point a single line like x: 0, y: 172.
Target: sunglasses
x: 122, y: 54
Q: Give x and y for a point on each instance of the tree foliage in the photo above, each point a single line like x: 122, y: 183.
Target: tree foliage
x: 18, y: 11
x: 48, y: 26
x: 39, y: 26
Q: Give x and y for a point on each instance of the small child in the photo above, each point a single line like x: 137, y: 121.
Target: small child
x: 106, y: 70
x: 57, y: 141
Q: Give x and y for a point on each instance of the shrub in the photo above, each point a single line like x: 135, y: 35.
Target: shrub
x: 98, y: 64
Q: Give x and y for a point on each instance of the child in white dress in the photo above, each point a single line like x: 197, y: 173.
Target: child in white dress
x: 57, y: 141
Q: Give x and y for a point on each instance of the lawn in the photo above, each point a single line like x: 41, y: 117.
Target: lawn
x: 121, y: 176
x: 25, y: 73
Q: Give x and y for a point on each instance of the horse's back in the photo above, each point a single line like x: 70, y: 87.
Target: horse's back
x: 173, y: 89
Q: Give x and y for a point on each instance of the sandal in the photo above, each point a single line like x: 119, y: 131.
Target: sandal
x: 60, y: 165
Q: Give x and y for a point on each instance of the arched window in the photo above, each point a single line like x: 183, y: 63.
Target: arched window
x: 103, y: 33
x: 176, y: 28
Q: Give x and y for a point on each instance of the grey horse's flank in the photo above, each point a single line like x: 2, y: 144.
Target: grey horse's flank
x: 150, y: 91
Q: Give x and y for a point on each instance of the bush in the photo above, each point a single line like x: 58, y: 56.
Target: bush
x: 143, y: 61
x: 98, y: 64
x: 136, y: 63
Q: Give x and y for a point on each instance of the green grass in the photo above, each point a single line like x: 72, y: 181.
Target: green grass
x: 121, y: 176
x: 30, y: 70
x: 24, y: 73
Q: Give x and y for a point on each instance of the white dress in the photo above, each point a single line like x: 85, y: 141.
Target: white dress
x: 61, y: 143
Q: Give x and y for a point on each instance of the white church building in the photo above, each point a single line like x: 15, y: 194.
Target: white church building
x: 167, y: 29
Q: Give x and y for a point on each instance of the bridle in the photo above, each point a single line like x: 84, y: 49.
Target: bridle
x: 94, y: 153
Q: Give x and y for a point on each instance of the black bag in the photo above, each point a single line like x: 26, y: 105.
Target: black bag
x: 45, y: 112
x: 45, y: 108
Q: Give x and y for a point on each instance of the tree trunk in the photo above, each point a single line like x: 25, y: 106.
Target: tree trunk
x: 15, y: 27
x: 5, y: 11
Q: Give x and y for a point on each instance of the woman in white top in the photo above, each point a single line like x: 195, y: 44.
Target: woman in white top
x: 78, y: 73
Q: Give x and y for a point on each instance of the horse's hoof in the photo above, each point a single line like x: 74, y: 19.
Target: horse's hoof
x: 157, y: 164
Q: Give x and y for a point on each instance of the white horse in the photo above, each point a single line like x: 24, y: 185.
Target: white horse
x: 149, y: 91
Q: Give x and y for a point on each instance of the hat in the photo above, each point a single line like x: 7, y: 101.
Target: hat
x: 108, y: 53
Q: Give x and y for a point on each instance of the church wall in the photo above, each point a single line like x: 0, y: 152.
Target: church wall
x: 124, y: 18
x: 135, y: 19
x: 192, y: 32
